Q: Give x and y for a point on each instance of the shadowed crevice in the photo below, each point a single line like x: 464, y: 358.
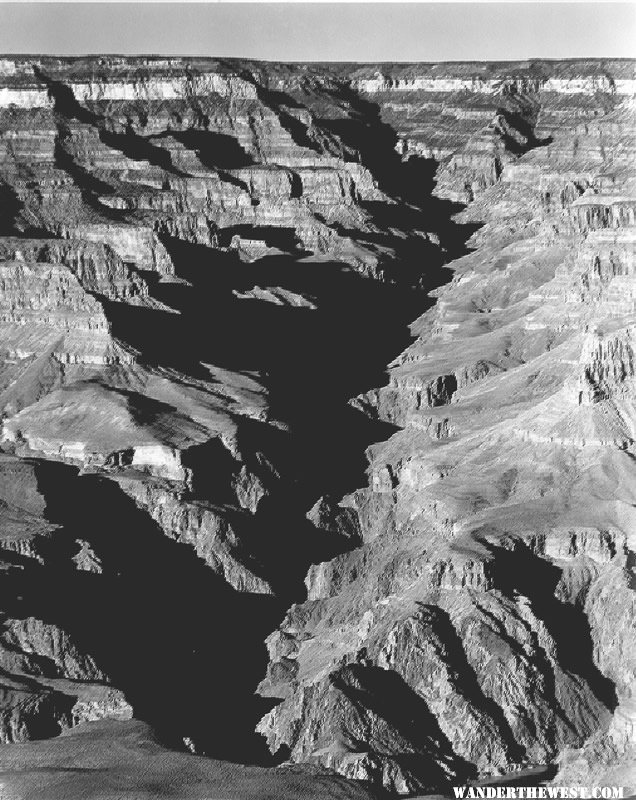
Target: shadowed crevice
x: 520, y: 571
x: 408, y: 732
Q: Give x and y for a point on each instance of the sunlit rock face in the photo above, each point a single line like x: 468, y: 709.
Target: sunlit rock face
x: 205, y: 268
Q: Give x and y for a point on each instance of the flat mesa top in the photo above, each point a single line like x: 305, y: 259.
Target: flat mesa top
x: 623, y: 67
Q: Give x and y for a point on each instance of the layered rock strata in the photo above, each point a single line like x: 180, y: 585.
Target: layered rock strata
x: 483, y: 624
x: 201, y: 261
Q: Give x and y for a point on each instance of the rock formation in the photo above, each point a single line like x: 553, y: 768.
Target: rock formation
x: 205, y: 267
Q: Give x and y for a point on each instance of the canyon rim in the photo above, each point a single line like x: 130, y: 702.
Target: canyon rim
x: 318, y: 450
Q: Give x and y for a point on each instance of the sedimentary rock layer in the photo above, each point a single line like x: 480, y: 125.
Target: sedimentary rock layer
x: 490, y: 598
x: 205, y: 266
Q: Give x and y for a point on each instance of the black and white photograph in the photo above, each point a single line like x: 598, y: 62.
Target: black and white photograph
x: 317, y: 400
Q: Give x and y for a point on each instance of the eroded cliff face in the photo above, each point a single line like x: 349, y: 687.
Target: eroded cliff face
x: 205, y: 267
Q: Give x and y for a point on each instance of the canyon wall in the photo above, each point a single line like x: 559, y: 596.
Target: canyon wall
x: 205, y: 267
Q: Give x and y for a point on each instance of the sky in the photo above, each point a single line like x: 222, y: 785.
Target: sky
x: 416, y: 31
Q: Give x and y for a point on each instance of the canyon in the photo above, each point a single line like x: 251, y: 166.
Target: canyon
x: 318, y: 447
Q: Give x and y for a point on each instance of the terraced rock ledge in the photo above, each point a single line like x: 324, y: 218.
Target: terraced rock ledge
x: 205, y: 268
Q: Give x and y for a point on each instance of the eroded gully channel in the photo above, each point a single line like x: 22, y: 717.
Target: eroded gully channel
x: 187, y: 651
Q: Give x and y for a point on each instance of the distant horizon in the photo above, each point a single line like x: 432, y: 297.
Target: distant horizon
x: 314, y: 61
x: 347, y: 33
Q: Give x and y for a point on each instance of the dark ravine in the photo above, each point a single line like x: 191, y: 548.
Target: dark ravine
x: 205, y: 268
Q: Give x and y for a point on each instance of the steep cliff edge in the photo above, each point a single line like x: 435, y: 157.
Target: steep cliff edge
x: 205, y: 266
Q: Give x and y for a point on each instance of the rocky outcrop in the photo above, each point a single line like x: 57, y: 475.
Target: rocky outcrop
x: 204, y: 267
x: 496, y: 516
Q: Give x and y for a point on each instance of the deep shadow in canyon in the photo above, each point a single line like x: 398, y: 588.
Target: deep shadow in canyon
x: 188, y: 651
x: 566, y: 622
x: 185, y: 648
x: 312, y: 362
